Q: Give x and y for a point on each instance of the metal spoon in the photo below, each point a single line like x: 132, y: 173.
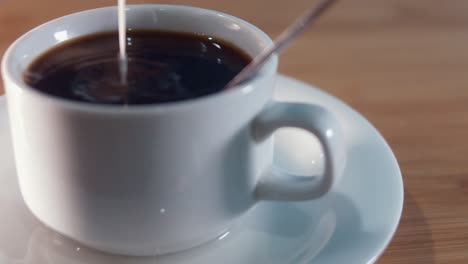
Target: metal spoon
x: 282, y: 41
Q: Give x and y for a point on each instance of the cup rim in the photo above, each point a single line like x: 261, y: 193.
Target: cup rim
x: 243, y: 89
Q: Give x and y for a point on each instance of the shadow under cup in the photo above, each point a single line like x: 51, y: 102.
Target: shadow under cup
x: 74, y: 159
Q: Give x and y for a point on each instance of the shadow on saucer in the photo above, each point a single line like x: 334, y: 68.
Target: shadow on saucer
x: 328, y: 230
x: 352, y: 240
x: 322, y: 227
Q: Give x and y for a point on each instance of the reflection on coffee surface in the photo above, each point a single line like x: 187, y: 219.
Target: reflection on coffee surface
x: 162, y: 67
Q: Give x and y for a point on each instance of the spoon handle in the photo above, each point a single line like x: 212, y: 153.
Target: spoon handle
x: 282, y: 41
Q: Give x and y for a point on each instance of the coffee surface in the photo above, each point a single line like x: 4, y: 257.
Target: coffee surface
x: 162, y: 67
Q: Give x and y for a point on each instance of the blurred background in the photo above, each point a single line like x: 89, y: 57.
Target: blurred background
x: 402, y: 64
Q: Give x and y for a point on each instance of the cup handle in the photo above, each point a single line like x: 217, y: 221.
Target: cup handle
x: 282, y: 186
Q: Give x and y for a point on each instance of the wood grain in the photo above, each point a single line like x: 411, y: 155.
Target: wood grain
x: 401, y: 63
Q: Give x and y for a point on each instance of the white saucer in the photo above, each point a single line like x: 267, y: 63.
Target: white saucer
x: 352, y: 224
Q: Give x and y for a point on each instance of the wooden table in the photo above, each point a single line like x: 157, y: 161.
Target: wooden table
x: 402, y: 64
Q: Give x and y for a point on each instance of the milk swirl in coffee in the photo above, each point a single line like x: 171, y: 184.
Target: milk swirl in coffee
x: 150, y: 67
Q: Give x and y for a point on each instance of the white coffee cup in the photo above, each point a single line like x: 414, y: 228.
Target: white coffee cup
x: 155, y: 179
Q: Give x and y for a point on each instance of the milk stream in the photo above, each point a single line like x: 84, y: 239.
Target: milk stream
x: 123, y: 61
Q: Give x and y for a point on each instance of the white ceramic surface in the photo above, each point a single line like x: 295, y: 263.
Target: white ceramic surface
x: 353, y: 224
x: 170, y: 176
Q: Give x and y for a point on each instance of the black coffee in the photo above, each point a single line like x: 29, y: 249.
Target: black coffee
x: 162, y: 67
